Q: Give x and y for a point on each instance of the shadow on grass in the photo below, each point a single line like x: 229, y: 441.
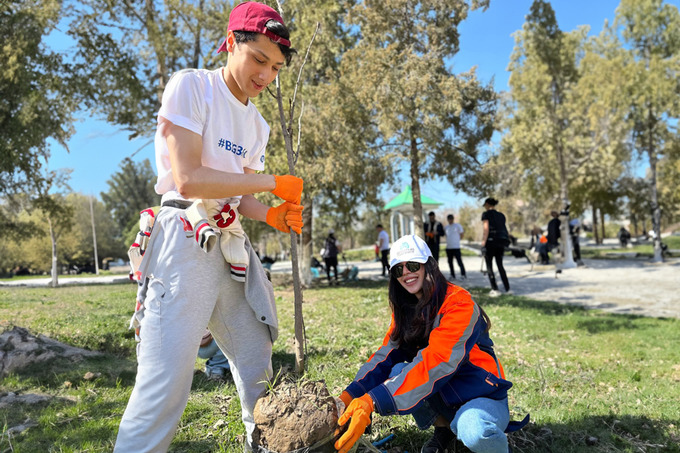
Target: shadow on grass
x: 592, y: 320
x: 481, y: 295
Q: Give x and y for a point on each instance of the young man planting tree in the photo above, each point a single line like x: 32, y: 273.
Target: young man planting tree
x: 210, y: 143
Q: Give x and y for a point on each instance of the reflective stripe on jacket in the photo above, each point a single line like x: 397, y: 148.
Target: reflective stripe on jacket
x: 459, y: 363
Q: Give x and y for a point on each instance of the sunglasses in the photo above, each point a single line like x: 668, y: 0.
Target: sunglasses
x: 398, y: 270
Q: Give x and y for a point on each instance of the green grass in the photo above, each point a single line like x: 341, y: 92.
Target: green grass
x: 586, y: 377
x: 102, y: 273
x: 642, y: 250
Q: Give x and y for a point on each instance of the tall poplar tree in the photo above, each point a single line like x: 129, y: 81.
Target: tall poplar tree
x: 651, y: 29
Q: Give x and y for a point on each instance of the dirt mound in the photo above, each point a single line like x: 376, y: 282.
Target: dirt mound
x: 295, y: 415
x: 18, y: 348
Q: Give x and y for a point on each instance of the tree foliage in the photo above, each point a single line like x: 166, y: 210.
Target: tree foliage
x: 425, y: 115
x: 133, y: 47
x: 72, y: 226
x: 131, y: 189
x: 36, y: 104
x: 651, y: 28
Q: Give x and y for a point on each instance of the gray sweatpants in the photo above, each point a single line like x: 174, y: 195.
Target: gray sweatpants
x: 187, y: 290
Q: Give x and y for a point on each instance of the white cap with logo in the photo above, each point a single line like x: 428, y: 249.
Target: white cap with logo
x: 409, y: 248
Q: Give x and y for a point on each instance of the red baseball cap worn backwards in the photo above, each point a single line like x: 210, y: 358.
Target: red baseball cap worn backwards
x: 253, y: 17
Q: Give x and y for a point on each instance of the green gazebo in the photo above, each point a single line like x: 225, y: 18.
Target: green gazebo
x: 401, y: 219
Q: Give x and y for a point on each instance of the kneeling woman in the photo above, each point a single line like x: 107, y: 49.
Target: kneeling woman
x: 436, y: 362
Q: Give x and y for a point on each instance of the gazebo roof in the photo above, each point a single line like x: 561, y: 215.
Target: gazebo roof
x: 404, y: 201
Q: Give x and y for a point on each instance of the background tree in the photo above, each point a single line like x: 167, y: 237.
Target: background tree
x: 638, y: 203
x: 134, y: 47
x: 425, y: 115
x: 55, y: 215
x: 35, y: 94
x: 669, y: 195
x: 651, y: 30
x: 109, y: 242
x: 559, y: 119
x: 131, y: 190
x: 602, y: 106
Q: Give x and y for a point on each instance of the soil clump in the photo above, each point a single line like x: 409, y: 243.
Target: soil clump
x: 296, y: 415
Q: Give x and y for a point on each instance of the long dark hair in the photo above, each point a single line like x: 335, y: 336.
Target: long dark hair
x: 414, y: 317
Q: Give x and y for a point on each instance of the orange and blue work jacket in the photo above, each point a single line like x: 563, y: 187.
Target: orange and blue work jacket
x: 458, y: 363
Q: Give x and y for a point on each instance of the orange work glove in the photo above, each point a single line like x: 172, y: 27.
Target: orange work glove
x: 286, y: 216
x: 346, y: 398
x: 288, y: 188
x: 430, y: 235
x: 359, y: 412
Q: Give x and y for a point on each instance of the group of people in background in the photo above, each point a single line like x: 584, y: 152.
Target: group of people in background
x: 549, y: 242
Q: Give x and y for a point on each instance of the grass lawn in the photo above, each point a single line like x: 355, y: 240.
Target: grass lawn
x: 593, y: 382
x: 642, y: 250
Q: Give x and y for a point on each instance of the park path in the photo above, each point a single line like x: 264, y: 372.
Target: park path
x: 627, y: 286
x: 630, y: 286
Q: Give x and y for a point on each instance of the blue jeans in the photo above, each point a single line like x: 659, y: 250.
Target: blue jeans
x: 217, y: 363
x: 480, y: 423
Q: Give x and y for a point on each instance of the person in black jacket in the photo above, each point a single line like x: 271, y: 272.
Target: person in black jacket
x: 330, y: 255
x: 554, y: 231
x: 494, y: 241
x: 433, y: 233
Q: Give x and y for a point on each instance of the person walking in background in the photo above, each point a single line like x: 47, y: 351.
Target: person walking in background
x: 436, y: 363
x: 454, y: 234
x: 574, y: 233
x: 624, y: 236
x: 433, y: 233
x: 384, y: 247
x: 554, y: 231
x: 330, y: 255
x: 494, y: 240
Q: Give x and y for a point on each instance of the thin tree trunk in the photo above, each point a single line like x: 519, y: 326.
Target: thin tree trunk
x: 604, y: 233
x: 197, y: 38
x: 415, y: 189
x: 300, y: 339
x: 55, y: 262
x: 656, y: 209
x: 567, y: 255
x: 596, y: 234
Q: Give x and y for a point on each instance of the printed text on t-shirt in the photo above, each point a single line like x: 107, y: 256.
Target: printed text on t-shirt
x: 233, y: 147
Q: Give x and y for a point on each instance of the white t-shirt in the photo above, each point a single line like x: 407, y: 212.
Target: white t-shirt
x: 234, y: 135
x: 453, y: 232
x: 384, y: 239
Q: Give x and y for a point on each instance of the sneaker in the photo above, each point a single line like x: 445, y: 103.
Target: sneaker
x: 215, y: 376
x: 494, y: 293
x: 508, y: 292
x: 463, y: 277
x: 439, y: 441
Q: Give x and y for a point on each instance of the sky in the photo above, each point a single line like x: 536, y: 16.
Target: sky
x: 486, y: 42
